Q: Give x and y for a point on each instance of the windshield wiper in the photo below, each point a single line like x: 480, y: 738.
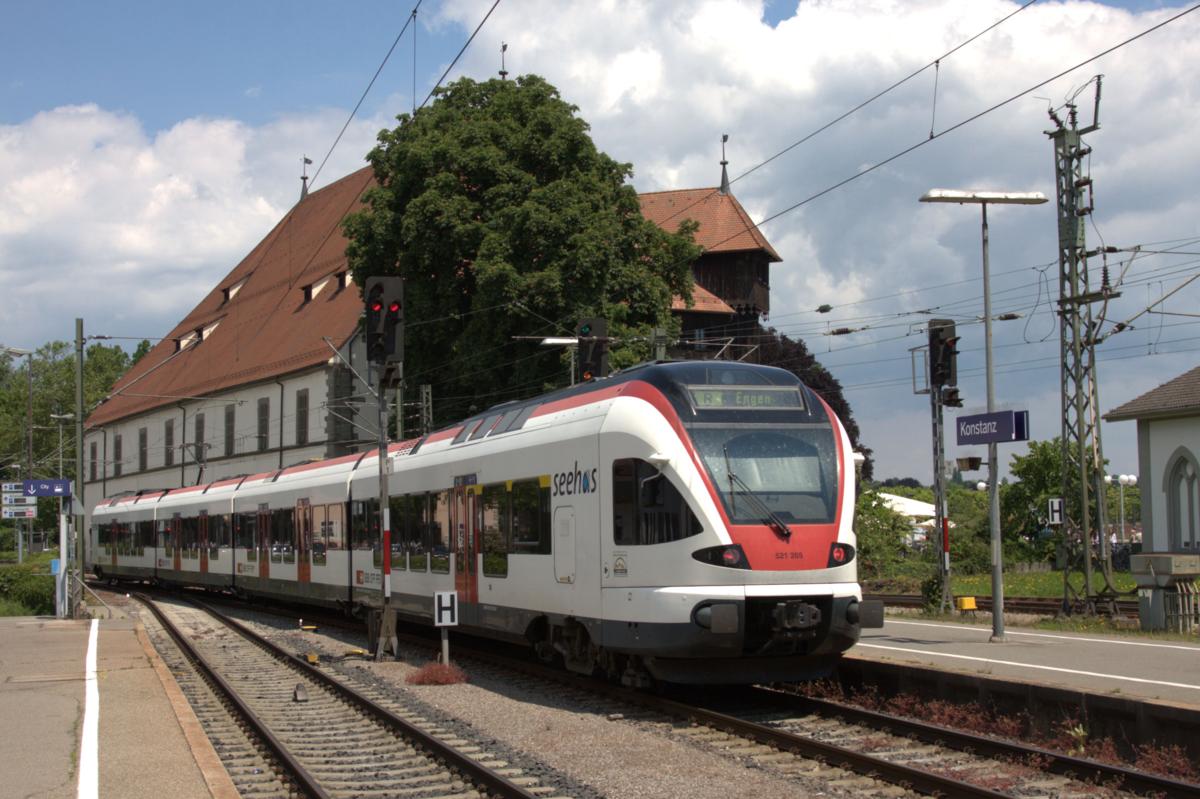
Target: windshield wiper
x: 765, y: 513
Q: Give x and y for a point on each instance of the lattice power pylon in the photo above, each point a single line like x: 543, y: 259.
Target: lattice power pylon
x: 1083, y: 459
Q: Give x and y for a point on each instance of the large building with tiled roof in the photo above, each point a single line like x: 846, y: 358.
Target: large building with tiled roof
x: 1168, y: 431
x: 265, y: 372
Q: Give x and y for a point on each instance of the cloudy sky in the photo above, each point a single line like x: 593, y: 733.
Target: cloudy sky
x: 146, y: 147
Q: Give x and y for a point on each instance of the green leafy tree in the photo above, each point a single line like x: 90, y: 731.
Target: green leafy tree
x: 53, y: 393
x: 880, y: 532
x: 143, y: 347
x: 506, y: 221
x: 776, y: 349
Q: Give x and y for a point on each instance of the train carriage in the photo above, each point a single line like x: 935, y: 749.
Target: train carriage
x: 687, y: 521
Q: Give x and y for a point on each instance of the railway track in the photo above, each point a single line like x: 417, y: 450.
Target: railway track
x: 1041, y: 606
x: 868, y: 753
x: 285, y: 727
x: 872, y: 753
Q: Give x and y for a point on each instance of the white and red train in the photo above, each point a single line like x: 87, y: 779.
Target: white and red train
x: 689, y: 520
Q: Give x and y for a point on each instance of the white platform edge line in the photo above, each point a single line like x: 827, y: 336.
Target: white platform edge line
x: 89, y: 756
x: 1011, y: 631
x: 1120, y: 677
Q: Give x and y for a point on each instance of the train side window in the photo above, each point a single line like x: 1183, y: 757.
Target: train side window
x: 166, y: 540
x: 218, y: 534
x: 247, y: 528
x: 320, y: 535
x: 364, y: 521
x: 495, y: 526
x: 283, y: 535
x: 647, y: 507
x: 439, y: 533
x: 189, y: 535
x: 145, y: 536
x: 410, y: 520
x: 531, y: 516
x: 335, y: 526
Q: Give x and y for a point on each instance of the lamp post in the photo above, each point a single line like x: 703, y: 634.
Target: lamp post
x: 29, y: 439
x: 1122, y: 481
x: 983, y: 199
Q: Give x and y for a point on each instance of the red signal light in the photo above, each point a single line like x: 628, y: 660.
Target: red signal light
x: 394, y: 307
x: 376, y: 306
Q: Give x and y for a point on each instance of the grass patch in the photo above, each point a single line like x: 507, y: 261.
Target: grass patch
x: 9, y: 607
x: 1035, y: 584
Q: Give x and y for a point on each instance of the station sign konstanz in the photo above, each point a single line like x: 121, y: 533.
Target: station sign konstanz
x: 992, y: 428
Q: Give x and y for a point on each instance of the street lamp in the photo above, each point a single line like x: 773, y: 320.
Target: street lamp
x: 29, y: 428
x: 1122, y: 481
x: 983, y: 199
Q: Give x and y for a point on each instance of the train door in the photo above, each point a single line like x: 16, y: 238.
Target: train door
x: 113, y: 532
x: 177, y: 541
x: 462, y: 521
x: 264, y: 541
x: 304, y: 528
x: 202, y: 540
x: 564, y: 544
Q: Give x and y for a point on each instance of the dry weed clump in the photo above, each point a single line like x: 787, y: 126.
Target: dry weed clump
x: 434, y: 673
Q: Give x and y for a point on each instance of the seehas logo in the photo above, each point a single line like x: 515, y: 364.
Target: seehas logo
x: 575, y: 482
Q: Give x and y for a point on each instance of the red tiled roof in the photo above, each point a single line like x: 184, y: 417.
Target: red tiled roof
x: 703, y: 301
x: 724, y: 224
x: 266, y: 329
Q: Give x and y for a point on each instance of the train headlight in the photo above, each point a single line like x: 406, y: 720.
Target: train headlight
x: 731, y: 557
x: 840, y: 555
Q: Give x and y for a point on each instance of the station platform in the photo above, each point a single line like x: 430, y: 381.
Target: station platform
x: 1135, y: 667
x: 134, y: 736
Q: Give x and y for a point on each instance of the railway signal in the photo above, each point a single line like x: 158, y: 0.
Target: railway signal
x: 592, y: 335
x: 384, y: 298
x: 943, y: 353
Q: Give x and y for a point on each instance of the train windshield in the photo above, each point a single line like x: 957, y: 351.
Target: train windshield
x: 771, y: 473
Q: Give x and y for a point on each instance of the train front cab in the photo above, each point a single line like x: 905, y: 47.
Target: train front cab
x: 731, y: 551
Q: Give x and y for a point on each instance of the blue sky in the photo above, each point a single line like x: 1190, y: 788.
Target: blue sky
x: 145, y: 147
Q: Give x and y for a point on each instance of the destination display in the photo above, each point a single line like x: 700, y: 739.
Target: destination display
x: 741, y: 397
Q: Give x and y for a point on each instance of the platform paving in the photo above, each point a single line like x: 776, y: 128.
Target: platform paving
x: 149, y: 743
x: 1138, y: 667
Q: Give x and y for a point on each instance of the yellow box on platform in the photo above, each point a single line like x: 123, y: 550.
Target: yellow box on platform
x: 965, y: 603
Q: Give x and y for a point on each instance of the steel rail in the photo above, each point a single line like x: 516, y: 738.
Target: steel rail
x: 1057, y: 763
x: 494, y: 783
x: 894, y: 773
x: 293, y: 770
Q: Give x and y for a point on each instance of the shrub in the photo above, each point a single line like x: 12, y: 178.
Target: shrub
x: 434, y: 673
x: 21, y: 585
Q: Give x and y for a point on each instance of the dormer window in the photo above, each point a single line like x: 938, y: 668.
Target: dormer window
x: 313, y: 289
x: 229, y: 292
x: 342, y: 280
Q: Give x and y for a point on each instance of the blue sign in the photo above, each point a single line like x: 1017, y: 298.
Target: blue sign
x: 992, y: 428
x: 55, y: 487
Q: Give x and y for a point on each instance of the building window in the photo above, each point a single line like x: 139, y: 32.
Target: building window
x: 229, y: 428
x: 302, y: 417
x: 92, y: 462
x: 264, y: 422
x: 117, y: 455
x: 199, y: 438
x: 143, y: 448
x: 1183, y: 502
x: 169, y: 442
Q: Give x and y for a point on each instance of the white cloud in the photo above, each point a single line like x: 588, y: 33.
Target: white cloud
x: 92, y: 202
